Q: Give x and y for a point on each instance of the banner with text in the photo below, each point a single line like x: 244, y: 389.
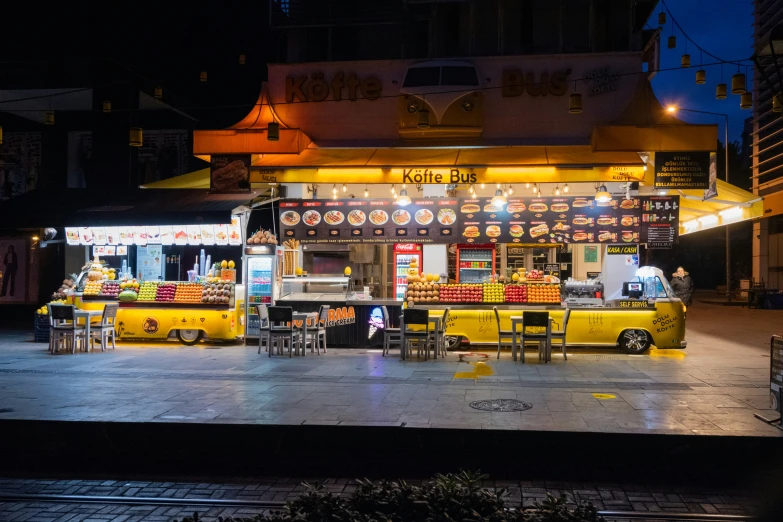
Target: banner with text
x: 682, y: 170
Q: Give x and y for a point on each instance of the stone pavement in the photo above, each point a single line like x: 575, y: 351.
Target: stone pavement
x: 713, y: 387
x: 604, y: 496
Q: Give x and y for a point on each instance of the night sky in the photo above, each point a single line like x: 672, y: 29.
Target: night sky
x: 725, y: 29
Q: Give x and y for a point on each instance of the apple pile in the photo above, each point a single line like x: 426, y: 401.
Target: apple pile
x: 462, y: 293
x: 516, y: 293
x: 535, y: 275
x: 166, y: 292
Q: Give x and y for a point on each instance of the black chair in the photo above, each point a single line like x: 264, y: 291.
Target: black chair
x: 504, y: 334
x: 537, y: 320
x: 263, y: 326
x: 415, y: 317
x: 281, y: 328
x: 391, y: 335
x: 560, y: 335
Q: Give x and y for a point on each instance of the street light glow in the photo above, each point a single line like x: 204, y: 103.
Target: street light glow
x: 671, y: 108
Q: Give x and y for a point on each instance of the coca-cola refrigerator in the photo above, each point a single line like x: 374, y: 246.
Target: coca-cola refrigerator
x: 475, y: 263
x: 406, y: 255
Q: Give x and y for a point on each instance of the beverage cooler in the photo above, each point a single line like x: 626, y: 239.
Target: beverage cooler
x: 475, y: 263
x: 406, y: 255
x: 261, y: 276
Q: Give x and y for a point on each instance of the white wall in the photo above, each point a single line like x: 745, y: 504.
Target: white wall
x: 435, y: 259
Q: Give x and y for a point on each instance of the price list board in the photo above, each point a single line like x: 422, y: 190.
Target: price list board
x: 660, y: 221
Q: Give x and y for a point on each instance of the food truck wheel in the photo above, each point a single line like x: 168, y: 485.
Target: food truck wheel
x: 453, y: 342
x: 189, y: 337
x: 635, y: 341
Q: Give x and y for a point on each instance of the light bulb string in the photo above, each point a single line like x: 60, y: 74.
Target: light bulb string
x: 689, y: 39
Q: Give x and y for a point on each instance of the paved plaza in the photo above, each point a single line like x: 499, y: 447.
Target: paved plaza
x: 712, y: 388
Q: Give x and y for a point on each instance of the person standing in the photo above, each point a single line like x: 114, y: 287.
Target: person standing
x: 682, y: 284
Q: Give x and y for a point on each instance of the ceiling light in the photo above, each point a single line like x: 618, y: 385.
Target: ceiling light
x: 511, y: 190
x: 527, y: 185
x: 710, y: 219
x: 403, y: 199
x: 345, y: 188
x: 334, y: 189
x: 557, y: 190
x: 566, y: 188
x: 693, y: 224
x: 602, y: 195
x: 729, y: 213
x: 499, y: 199
x: 366, y: 192
x: 482, y: 185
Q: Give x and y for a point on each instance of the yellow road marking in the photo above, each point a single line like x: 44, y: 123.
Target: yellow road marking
x: 671, y: 354
x: 604, y: 396
x: 480, y: 369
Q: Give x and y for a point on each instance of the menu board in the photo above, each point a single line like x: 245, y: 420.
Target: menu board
x: 221, y: 234
x: 103, y: 250
x: 122, y: 250
x: 166, y: 235
x: 180, y: 234
x: 153, y: 235
x: 149, y: 260
x: 234, y: 233
x: 85, y: 236
x: 207, y: 235
x: 660, y: 221
x: 194, y: 234
x: 99, y: 235
x: 126, y: 235
x: 72, y: 236
x: 523, y: 220
x: 140, y: 235
x: 431, y: 220
x: 112, y: 236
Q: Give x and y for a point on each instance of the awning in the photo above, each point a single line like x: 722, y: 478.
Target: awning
x: 732, y: 205
x: 194, y: 180
x: 85, y: 207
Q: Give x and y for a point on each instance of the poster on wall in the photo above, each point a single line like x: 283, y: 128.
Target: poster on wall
x: 72, y: 236
x: 13, y: 271
x: 682, y: 170
x: 229, y: 173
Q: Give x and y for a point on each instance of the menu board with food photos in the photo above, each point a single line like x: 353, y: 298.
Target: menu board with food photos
x: 524, y: 220
x: 430, y: 220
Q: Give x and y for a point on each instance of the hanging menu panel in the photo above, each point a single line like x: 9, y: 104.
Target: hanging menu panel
x: 660, y: 221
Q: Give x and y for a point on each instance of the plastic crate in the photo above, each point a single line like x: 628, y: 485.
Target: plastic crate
x: 41, y: 335
x: 41, y: 328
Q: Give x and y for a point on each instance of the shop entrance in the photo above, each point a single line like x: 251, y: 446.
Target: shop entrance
x: 543, y: 257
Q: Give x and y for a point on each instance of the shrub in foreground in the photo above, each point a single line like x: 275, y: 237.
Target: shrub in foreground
x: 446, y: 497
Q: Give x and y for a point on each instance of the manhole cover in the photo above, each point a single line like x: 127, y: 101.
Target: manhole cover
x: 501, y: 405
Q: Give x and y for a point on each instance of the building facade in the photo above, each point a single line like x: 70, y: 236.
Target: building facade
x: 767, y: 152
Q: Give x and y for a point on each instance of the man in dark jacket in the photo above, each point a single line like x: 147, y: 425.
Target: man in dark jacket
x: 682, y: 284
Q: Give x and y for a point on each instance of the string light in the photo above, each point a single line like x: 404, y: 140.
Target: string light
x: 557, y: 190
x: 366, y: 192
x: 566, y: 188
x: 334, y: 190
x: 345, y: 188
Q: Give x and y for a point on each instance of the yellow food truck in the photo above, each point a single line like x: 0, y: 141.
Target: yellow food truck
x: 641, y: 312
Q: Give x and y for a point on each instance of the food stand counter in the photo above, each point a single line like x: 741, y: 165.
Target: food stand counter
x: 352, y: 321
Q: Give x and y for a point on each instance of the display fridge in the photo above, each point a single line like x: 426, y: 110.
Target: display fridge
x: 406, y: 256
x: 262, y: 268
x: 475, y: 263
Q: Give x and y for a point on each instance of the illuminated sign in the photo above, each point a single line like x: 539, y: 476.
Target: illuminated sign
x: 376, y: 321
x: 631, y: 303
x: 622, y: 250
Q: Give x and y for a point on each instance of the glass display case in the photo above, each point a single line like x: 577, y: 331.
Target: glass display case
x: 321, y: 288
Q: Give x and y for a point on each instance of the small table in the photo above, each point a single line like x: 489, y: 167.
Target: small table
x: 87, y: 315
x: 303, y: 316
x: 517, y: 320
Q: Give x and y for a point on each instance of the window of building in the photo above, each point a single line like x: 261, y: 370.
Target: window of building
x: 546, y: 26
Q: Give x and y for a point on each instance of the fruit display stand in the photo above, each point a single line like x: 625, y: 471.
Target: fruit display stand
x: 187, y: 311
